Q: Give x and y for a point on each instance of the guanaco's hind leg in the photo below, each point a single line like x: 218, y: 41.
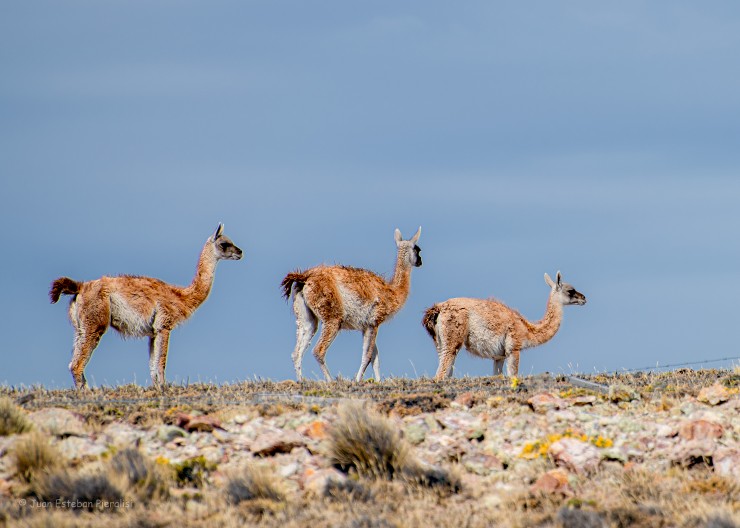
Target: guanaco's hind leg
x: 329, y: 331
x: 447, y: 350
x: 90, y: 320
x: 306, y: 326
x: 498, y: 366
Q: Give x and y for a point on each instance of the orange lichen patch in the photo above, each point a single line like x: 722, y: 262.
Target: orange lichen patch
x: 315, y: 430
x: 555, y: 481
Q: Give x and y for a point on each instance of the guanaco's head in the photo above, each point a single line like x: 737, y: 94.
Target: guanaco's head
x: 408, y: 250
x: 223, y: 247
x: 566, y: 293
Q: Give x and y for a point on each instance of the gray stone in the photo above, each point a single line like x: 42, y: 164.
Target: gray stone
x: 277, y: 441
x: 481, y: 463
x: 167, y: 433
x: 58, y: 422
x: 76, y: 449
x: 714, y: 395
x: 580, y: 457
x: 415, y: 432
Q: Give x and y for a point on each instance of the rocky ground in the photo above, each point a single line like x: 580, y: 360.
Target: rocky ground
x: 604, y: 450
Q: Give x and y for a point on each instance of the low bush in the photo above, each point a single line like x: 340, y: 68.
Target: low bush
x: 12, y: 419
x: 34, y: 455
x: 254, y: 482
x: 366, y: 442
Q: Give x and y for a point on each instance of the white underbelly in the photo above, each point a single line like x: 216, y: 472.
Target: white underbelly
x: 128, y: 321
x: 482, y: 341
x: 358, y: 313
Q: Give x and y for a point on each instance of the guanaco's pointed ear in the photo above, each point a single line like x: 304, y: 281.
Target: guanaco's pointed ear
x: 397, y: 235
x: 219, y: 230
x: 415, y: 238
x: 548, y: 281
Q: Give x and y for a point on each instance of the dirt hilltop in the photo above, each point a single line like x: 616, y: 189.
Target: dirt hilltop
x: 638, y: 449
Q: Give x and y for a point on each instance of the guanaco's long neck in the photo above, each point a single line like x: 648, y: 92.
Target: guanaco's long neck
x: 546, y: 328
x: 401, y: 282
x: 198, y: 290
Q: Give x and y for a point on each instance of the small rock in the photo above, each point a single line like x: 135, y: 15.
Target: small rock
x: 288, y: 470
x: 213, y: 454
x: 481, y: 463
x: 555, y: 481
x: 121, y: 435
x: 665, y: 431
x: 316, y: 481
x: 460, y: 420
x: 575, y: 455
x: 75, y: 448
x: 622, y: 393
x: 58, y: 422
x: 543, y: 402
x: 240, y: 419
x: 714, y: 395
x: 315, y: 430
x: 443, y: 447
x: 198, y: 423
x: 688, y: 454
x: 222, y: 436
x: 700, y: 430
x: 167, y: 433
x: 466, y: 399
x: 583, y: 400
x: 277, y: 442
x: 727, y: 462
x: 415, y: 432
x: 616, y: 454
x: 565, y: 415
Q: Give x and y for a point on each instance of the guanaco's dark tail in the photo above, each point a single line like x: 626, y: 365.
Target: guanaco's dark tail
x: 430, y: 320
x: 63, y: 286
x: 298, y: 278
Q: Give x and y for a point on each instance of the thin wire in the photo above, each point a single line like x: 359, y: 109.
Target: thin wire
x: 680, y: 364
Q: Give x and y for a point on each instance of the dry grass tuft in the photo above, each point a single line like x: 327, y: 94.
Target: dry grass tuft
x: 438, y: 479
x: 82, y: 492
x: 348, y: 491
x: 144, y: 477
x: 369, y: 444
x: 366, y: 442
x: 12, y: 419
x: 34, y: 455
x: 366, y: 521
x: 254, y: 483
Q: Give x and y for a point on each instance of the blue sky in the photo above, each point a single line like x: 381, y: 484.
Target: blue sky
x: 524, y: 137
